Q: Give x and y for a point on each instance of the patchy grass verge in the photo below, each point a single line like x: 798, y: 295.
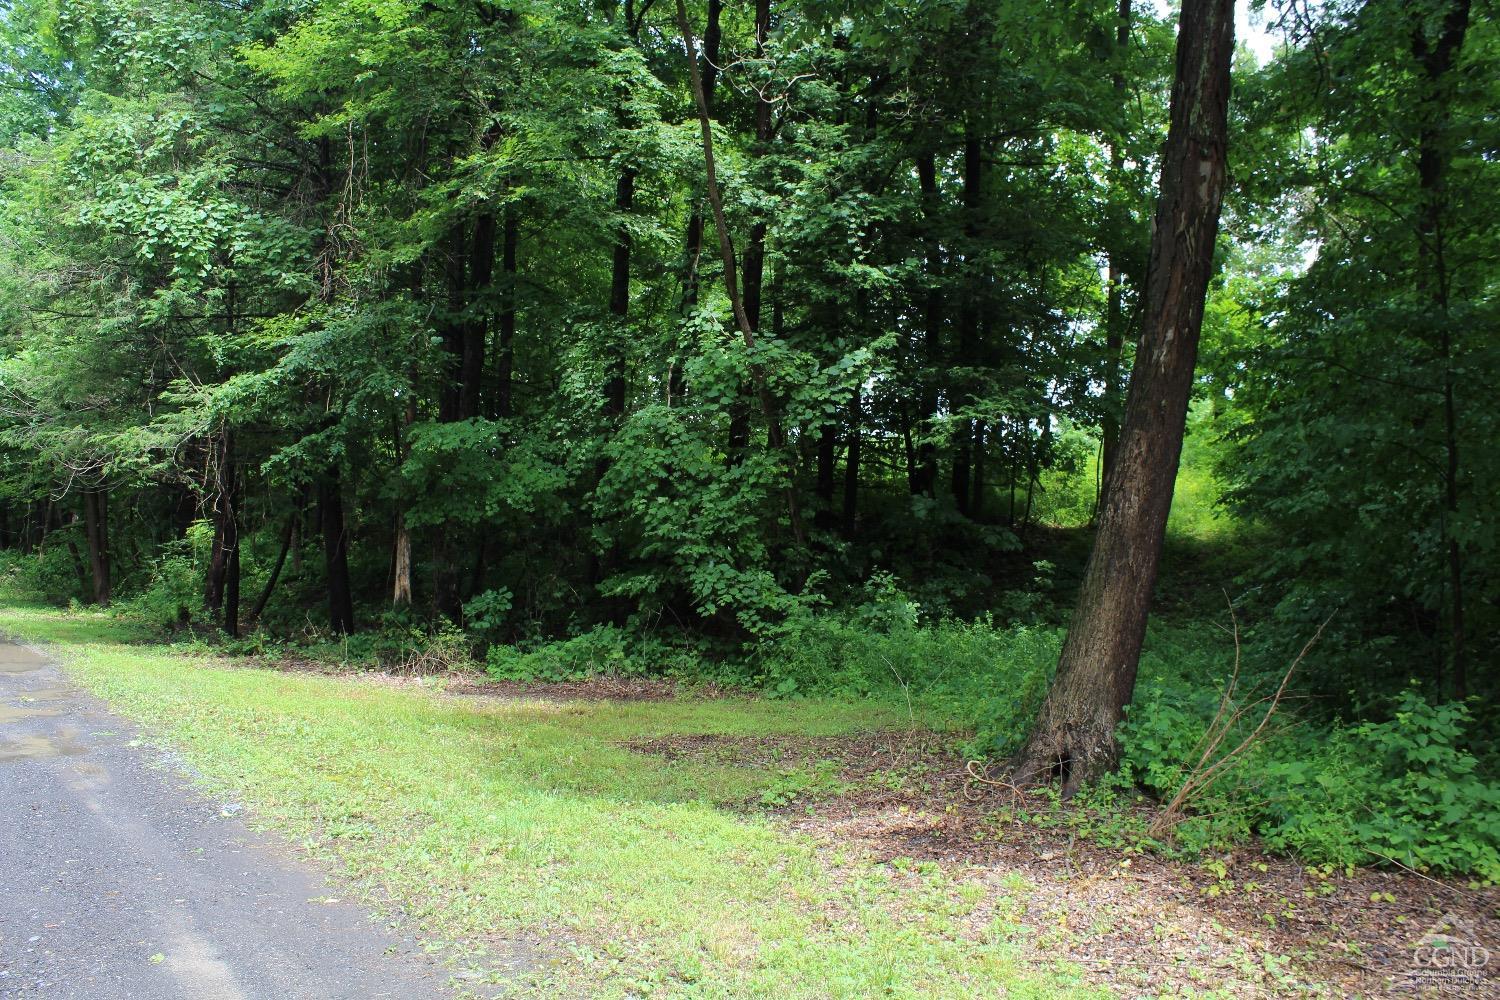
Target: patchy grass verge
x: 502, y: 826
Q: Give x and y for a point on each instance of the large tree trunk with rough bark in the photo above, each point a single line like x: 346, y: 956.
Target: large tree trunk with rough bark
x: 96, y: 525
x: 925, y: 480
x: 1436, y: 53
x: 1114, y: 317
x: 1074, y: 738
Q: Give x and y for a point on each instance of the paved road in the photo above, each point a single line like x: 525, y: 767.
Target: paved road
x: 117, y: 880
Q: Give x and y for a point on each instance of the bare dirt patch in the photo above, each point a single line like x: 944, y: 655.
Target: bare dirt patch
x: 601, y: 688
x: 465, y: 680
x: 1243, y: 923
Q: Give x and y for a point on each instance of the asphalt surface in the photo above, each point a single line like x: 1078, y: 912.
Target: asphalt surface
x: 119, y: 880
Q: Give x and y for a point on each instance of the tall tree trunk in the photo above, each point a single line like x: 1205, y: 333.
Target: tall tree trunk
x: 213, y: 586
x: 775, y: 434
x: 336, y: 554
x: 506, y: 354
x: 851, y: 465
x: 968, y: 322
x: 1074, y: 734
x: 932, y: 326
x: 96, y: 525
x: 755, y: 246
x: 288, y: 534
x: 1114, y: 313
x: 693, y: 241
x: 1437, y: 56
x: 401, y: 561
x: 401, y: 564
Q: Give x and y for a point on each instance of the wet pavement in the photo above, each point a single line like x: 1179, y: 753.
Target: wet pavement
x: 120, y: 880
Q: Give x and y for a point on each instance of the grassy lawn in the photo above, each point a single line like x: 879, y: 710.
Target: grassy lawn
x: 488, y: 819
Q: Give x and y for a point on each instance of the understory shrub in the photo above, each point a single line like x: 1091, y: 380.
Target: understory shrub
x: 973, y: 673
x: 1405, y: 790
x: 1400, y: 791
x: 51, y: 573
x: 604, y: 651
x: 173, y: 595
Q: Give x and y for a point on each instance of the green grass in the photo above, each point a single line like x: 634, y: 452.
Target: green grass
x: 485, y: 818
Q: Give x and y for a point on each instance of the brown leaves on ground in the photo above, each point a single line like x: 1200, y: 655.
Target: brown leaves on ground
x: 1244, y: 924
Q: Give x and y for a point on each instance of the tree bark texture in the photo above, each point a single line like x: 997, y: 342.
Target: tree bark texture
x: 96, y: 524
x: 1437, y: 56
x: 1074, y: 734
x: 1114, y: 313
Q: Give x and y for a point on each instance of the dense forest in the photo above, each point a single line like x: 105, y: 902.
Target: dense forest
x: 803, y: 347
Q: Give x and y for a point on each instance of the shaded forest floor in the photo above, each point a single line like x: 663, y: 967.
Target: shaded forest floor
x: 630, y: 839
x: 1074, y: 885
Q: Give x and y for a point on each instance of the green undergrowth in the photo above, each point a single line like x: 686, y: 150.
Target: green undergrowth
x: 1407, y: 791
x: 1409, y: 786
x: 1404, y: 789
x: 532, y: 819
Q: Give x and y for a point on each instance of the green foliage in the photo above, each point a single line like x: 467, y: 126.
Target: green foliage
x: 297, y: 227
x: 975, y: 672
x: 51, y: 573
x: 485, y: 614
x: 1353, y: 334
x: 603, y: 651
x: 1413, y: 793
x: 1067, y: 490
x: 1404, y: 790
x: 431, y: 290
x: 173, y: 596
x: 543, y: 814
